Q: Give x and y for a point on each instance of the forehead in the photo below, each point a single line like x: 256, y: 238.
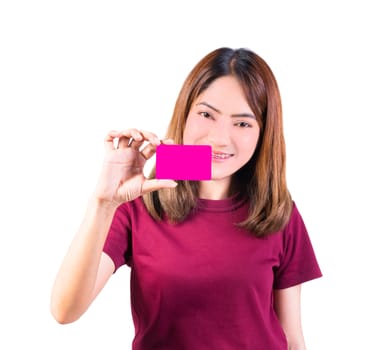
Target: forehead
x: 226, y: 94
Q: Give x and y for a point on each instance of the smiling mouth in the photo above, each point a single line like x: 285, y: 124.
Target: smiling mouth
x: 221, y: 155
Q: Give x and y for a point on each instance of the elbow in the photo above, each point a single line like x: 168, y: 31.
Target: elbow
x: 62, y: 314
x: 60, y: 319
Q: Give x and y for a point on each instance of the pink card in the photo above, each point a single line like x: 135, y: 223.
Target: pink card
x: 184, y: 162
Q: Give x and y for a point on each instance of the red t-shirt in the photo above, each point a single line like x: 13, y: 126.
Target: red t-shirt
x: 205, y: 283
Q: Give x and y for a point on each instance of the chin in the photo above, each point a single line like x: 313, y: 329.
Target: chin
x: 217, y: 176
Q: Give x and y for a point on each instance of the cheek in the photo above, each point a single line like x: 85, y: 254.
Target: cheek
x: 248, y: 146
x: 192, y: 131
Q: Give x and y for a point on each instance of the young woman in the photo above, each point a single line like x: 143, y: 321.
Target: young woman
x: 214, y: 264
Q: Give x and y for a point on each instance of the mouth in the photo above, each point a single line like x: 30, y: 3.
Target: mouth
x: 221, y: 155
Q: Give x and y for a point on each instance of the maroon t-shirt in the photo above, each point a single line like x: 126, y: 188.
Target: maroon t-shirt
x: 206, y: 283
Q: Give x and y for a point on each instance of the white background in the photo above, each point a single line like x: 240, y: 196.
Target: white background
x: 72, y: 70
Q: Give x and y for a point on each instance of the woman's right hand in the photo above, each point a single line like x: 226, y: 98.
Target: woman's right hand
x: 122, y: 178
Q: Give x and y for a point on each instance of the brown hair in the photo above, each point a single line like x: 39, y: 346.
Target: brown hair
x: 263, y: 179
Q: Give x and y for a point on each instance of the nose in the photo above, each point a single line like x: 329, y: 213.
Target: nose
x: 219, y: 133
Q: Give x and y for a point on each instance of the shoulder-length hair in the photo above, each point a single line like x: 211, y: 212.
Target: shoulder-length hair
x: 263, y: 179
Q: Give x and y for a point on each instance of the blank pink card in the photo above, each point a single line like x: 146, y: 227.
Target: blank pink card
x: 184, y: 162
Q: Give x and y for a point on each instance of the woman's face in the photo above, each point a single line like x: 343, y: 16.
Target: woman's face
x: 221, y: 117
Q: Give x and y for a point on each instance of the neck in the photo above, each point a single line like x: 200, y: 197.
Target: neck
x: 214, y: 189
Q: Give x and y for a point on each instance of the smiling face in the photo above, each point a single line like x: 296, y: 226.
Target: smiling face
x: 221, y: 117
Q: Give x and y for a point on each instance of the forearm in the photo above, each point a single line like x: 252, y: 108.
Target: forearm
x: 287, y: 307
x: 295, y: 338
x: 297, y: 346
x: 75, y: 281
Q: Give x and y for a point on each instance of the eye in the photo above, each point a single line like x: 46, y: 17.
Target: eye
x: 243, y: 125
x: 205, y: 114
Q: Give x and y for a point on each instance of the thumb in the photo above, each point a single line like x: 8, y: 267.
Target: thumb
x: 154, y: 185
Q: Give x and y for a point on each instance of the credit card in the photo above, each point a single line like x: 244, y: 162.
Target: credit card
x: 184, y: 162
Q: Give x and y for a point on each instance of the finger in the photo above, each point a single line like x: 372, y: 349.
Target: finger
x: 150, y: 137
x: 168, y: 141
x: 154, y: 185
x: 135, y: 144
x: 109, y: 139
x: 128, y: 135
x: 148, y: 151
x: 153, y: 141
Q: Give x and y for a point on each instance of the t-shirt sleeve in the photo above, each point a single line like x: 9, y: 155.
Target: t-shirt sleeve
x: 298, y: 261
x: 118, y: 241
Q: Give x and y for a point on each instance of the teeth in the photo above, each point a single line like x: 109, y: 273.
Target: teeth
x: 221, y: 155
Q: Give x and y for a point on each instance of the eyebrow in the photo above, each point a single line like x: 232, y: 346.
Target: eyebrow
x: 247, y: 115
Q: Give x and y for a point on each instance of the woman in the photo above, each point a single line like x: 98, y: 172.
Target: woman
x: 215, y: 264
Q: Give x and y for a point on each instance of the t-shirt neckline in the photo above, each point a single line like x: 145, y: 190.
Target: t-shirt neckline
x: 221, y: 205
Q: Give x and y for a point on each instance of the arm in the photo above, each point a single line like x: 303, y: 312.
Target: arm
x: 85, y: 268
x: 287, y: 307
